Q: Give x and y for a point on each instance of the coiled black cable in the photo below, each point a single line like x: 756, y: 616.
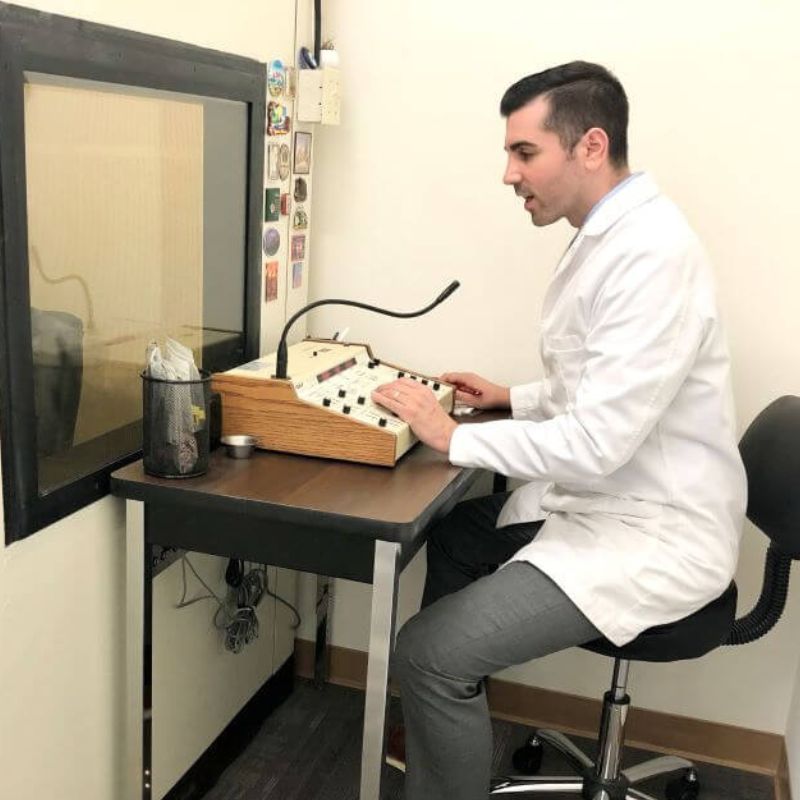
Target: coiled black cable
x: 771, y: 601
x: 236, y: 615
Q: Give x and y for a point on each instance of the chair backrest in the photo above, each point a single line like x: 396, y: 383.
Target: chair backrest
x: 770, y: 450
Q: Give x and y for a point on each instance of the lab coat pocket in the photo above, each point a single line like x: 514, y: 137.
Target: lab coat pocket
x: 563, y: 359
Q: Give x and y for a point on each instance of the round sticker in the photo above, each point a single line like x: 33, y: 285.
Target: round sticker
x: 271, y: 241
x: 276, y: 78
x: 284, y: 162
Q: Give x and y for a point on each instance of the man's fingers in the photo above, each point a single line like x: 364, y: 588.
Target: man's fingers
x: 463, y: 382
x: 389, y: 398
x: 465, y: 397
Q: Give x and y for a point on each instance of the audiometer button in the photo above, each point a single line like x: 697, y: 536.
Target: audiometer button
x: 400, y: 373
x: 382, y: 422
x: 346, y: 409
x: 436, y: 387
x: 362, y: 400
x: 326, y: 402
x: 342, y: 392
x: 424, y: 381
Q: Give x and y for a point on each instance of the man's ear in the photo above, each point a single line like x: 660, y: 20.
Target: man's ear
x: 594, y: 144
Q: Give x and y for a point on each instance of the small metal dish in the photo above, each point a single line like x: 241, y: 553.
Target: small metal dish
x: 239, y: 446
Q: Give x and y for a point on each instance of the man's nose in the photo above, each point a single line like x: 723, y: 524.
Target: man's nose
x: 511, y: 175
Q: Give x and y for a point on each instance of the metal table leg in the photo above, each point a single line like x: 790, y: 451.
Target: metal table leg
x: 147, y: 675
x: 324, y: 612
x: 138, y: 751
x: 381, y: 643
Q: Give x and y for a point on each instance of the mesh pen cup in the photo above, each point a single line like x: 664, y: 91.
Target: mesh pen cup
x: 175, y: 426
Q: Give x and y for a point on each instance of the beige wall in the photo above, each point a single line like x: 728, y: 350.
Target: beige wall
x: 409, y: 195
x: 62, y: 591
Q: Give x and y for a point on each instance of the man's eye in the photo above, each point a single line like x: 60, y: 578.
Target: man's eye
x: 524, y: 155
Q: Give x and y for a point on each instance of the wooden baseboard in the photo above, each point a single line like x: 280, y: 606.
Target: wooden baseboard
x: 304, y: 658
x: 782, y: 788
x: 713, y: 742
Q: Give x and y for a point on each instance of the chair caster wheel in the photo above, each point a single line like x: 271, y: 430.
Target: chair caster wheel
x: 684, y: 787
x: 527, y: 759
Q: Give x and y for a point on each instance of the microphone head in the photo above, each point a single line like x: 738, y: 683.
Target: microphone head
x: 448, y: 291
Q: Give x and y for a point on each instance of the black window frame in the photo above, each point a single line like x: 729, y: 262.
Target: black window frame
x: 33, y: 41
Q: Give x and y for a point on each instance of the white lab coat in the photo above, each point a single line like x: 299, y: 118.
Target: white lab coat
x: 628, y: 443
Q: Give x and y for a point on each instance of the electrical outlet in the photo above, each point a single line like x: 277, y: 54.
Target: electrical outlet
x: 318, y: 96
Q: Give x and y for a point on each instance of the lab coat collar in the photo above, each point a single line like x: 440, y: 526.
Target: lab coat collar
x: 637, y: 191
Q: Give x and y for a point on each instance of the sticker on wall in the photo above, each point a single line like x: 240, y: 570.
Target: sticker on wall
x: 272, y: 205
x: 298, y: 248
x: 302, y: 152
x: 270, y: 281
x: 291, y: 82
x: 286, y: 204
x: 283, y: 162
x: 297, y: 274
x: 278, y: 121
x: 300, y: 219
x: 271, y: 241
x: 272, y: 162
x: 300, y: 189
x: 276, y: 78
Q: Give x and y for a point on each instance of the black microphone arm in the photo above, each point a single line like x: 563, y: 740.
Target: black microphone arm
x: 283, y: 356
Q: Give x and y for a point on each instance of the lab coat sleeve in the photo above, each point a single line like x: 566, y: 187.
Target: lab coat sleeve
x: 526, y: 401
x: 643, y: 338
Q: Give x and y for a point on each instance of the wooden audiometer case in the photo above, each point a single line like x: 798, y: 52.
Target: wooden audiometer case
x: 324, y: 407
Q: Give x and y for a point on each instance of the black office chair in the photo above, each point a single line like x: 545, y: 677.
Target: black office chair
x: 770, y: 450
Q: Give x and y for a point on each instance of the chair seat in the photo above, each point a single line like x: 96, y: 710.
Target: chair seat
x: 690, y: 637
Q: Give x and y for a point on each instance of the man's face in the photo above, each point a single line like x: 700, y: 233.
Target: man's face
x: 539, y: 168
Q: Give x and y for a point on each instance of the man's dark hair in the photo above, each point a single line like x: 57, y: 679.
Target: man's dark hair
x: 581, y: 96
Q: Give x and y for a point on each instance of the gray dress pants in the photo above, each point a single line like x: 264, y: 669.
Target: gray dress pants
x: 476, y: 619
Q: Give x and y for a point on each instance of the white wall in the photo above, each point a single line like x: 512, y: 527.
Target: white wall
x: 62, y: 591
x: 409, y: 195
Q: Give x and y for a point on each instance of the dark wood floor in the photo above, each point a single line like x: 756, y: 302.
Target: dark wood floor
x: 309, y: 749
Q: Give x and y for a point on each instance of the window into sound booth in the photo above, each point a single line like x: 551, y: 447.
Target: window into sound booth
x: 131, y: 174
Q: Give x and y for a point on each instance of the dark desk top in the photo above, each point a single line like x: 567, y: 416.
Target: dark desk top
x: 393, y: 504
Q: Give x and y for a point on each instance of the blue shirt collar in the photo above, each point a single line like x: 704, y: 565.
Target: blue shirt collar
x: 606, y: 197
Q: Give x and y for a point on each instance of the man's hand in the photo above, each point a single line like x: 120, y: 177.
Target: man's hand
x: 417, y: 405
x: 472, y: 390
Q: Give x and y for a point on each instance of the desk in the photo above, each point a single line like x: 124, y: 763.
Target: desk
x: 330, y: 517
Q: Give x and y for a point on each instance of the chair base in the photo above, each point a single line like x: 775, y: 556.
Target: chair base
x: 588, y: 785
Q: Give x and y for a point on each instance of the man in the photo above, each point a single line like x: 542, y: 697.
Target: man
x: 634, y: 492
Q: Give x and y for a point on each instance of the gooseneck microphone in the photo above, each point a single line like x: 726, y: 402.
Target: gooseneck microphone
x: 282, y: 354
